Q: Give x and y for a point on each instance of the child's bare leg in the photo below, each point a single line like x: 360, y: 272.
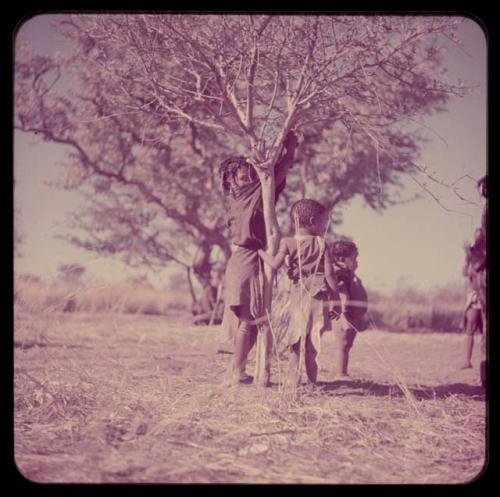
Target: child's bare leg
x: 293, y: 364
x: 252, y: 338
x: 351, y: 334
x: 338, y: 354
x: 311, y: 363
x: 340, y: 359
x: 244, y: 338
x: 481, y: 291
x: 343, y: 343
x: 472, y: 317
x: 468, y: 346
x: 483, y: 366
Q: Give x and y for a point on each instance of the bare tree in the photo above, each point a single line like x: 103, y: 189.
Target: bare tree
x: 159, y: 99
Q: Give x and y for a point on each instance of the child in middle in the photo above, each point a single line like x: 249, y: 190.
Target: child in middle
x: 353, y: 303
x: 314, y: 285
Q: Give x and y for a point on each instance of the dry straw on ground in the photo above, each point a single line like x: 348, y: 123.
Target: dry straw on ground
x: 134, y: 398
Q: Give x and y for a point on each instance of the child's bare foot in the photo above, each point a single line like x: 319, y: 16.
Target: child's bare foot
x: 225, y: 348
x: 243, y: 379
x: 341, y: 376
x: 310, y: 387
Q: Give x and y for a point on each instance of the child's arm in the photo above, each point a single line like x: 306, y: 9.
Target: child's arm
x: 344, y: 315
x: 275, y: 261
x: 343, y: 299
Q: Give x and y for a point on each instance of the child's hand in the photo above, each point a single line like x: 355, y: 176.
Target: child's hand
x: 299, y: 136
x: 341, y: 318
x: 344, y: 323
x: 333, y: 314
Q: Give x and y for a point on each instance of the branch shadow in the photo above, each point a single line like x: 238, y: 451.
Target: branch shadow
x: 366, y: 387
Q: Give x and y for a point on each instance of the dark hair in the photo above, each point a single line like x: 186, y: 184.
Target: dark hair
x: 483, y: 182
x: 227, y: 170
x: 340, y: 249
x: 304, y: 210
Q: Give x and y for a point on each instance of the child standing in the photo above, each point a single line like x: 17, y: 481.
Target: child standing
x: 477, y: 259
x: 313, y: 284
x: 472, y: 324
x: 353, y: 303
x: 243, y: 284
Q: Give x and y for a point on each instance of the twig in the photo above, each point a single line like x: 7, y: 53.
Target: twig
x: 424, y: 187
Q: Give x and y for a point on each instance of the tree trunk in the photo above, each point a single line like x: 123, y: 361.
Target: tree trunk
x: 190, y: 283
x: 264, y: 339
x: 201, y: 264
x: 303, y: 179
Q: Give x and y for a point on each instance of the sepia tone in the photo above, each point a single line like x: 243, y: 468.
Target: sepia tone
x: 189, y: 139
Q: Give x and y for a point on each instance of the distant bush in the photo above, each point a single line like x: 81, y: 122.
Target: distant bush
x: 406, y: 309
x: 409, y: 309
x: 130, y: 297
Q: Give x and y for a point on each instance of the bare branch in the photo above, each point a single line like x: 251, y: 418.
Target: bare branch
x: 423, y: 186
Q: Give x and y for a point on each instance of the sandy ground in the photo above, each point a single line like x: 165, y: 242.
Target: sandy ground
x: 130, y: 398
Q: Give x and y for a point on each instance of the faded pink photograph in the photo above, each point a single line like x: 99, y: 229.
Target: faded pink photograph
x: 250, y: 248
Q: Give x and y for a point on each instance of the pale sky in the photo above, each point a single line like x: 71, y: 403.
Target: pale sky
x: 419, y: 243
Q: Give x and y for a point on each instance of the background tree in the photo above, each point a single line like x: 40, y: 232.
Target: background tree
x: 157, y: 101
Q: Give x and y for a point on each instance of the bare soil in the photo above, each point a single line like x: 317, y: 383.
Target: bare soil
x: 145, y: 399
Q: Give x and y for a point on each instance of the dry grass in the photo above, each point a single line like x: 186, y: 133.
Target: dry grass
x: 406, y: 309
x: 126, y: 297
x: 410, y: 310
x: 134, y: 398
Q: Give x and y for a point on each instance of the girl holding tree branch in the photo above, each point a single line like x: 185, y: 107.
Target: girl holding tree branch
x: 244, y: 302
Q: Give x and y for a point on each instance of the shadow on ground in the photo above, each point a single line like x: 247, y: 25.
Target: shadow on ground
x: 365, y: 387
